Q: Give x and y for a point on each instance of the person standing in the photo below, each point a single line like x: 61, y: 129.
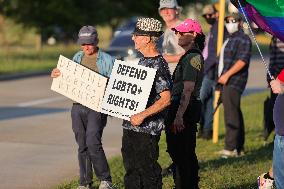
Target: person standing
x: 141, y: 135
x: 277, y: 87
x: 232, y: 75
x: 210, y: 14
x: 268, y: 180
x: 184, y: 112
x: 276, y: 64
x: 87, y: 124
x: 170, y: 11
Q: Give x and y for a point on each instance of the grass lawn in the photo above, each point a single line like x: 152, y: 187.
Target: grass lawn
x: 216, y: 173
x: 26, y: 59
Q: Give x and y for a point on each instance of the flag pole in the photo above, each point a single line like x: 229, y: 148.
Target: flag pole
x: 217, y: 92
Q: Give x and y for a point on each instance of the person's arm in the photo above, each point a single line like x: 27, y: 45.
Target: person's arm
x: 223, y: 79
x: 185, y: 98
x: 55, y: 73
x: 277, y: 86
x: 172, y: 58
x: 158, y: 106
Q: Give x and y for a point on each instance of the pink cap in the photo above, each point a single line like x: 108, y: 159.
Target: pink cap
x: 189, y: 25
x: 281, y: 76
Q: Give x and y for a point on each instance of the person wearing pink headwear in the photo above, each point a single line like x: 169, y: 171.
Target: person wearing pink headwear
x: 184, y: 112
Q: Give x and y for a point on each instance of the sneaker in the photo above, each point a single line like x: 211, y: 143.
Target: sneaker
x: 82, y: 187
x: 106, y: 185
x: 89, y: 186
x: 264, y: 182
x: 228, y: 153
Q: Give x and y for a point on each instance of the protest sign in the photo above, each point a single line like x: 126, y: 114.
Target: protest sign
x: 128, y: 89
x: 79, y: 84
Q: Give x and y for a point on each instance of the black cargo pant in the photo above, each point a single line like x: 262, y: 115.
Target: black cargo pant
x: 181, y: 146
x: 140, y: 152
x: 234, y: 121
x: 88, y: 128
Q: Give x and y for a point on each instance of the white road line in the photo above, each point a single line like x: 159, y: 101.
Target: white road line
x: 41, y: 101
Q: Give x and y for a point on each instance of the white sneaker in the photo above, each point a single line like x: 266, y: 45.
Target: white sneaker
x: 106, y: 185
x: 83, y: 187
x: 227, y: 153
x: 264, y: 183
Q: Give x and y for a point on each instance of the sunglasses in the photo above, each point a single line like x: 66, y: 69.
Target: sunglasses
x: 136, y: 35
x: 207, y: 15
x: 182, y: 33
x: 84, y: 44
x: 231, y: 21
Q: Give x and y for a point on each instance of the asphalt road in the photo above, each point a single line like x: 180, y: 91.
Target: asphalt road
x: 37, y: 146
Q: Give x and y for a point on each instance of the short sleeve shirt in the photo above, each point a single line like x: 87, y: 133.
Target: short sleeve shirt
x: 154, y: 124
x: 189, y: 68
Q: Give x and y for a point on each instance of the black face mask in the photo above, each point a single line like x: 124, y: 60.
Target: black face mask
x: 210, y: 21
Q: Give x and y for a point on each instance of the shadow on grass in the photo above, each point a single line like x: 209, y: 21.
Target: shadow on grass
x: 243, y: 186
x: 260, y: 154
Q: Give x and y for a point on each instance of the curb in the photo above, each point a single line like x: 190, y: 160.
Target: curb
x: 14, y: 76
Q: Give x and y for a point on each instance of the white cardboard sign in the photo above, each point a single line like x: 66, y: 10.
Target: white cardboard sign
x: 79, y: 84
x: 128, y: 89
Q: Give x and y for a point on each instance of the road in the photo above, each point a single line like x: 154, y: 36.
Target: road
x: 37, y: 146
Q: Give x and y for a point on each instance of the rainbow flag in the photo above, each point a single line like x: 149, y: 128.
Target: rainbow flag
x: 267, y: 14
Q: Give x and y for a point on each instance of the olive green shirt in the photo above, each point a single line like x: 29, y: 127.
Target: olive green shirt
x: 189, y: 68
x: 90, y: 62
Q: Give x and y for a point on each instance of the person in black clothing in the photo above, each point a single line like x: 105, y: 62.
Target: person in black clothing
x: 184, y: 112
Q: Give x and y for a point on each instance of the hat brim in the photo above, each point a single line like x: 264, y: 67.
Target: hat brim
x: 175, y: 7
x: 138, y: 31
x: 87, y: 40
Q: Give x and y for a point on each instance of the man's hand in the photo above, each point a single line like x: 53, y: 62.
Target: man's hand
x: 137, y: 119
x: 55, y: 73
x: 223, y: 79
x: 277, y: 86
x: 178, y: 125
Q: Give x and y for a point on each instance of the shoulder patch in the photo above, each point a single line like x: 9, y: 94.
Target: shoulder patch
x: 196, y: 62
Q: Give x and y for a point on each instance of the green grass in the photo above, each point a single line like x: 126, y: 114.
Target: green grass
x: 216, y: 173
x: 26, y: 59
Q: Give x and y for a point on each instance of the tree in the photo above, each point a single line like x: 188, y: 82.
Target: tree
x: 67, y: 16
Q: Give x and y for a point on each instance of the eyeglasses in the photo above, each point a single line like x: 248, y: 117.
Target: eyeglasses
x: 136, y: 35
x: 231, y: 21
x: 183, y: 33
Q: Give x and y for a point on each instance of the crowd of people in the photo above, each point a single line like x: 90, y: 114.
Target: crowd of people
x: 178, y: 101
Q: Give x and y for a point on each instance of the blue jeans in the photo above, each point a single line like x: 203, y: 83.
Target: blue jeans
x: 207, y: 96
x: 88, y: 128
x: 278, y: 161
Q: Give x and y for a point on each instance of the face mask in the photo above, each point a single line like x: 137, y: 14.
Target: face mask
x: 232, y: 27
x: 210, y: 21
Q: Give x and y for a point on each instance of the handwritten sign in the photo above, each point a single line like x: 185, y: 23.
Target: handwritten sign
x: 79, y: 84
x: 128, y: 89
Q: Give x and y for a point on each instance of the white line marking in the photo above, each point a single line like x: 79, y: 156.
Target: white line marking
x: 41, y: 101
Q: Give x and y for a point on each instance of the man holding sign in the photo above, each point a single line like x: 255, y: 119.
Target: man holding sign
x: 88, y: 124
x: 140, y: 150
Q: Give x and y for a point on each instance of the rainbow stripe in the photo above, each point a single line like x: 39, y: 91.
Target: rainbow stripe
x: 268, y: 15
